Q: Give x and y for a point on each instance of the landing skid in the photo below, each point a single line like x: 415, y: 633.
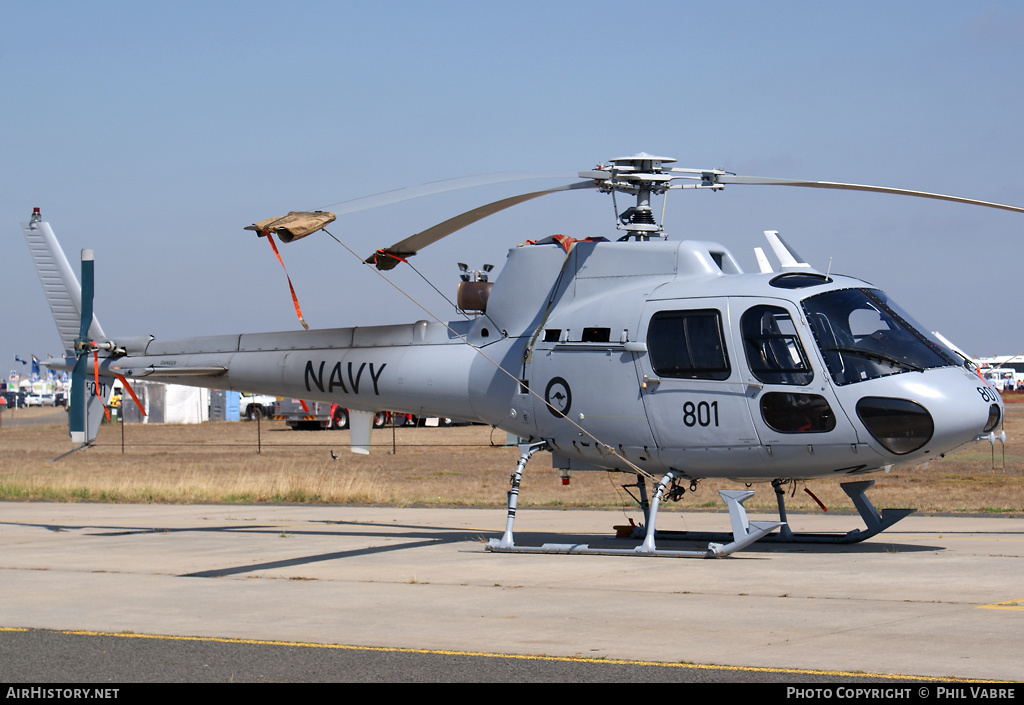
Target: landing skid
x: 744, y: 532
x: 876, y: 521
x: 73, y: 450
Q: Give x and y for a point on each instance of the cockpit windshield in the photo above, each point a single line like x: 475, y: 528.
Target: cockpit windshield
x: 862, y: 335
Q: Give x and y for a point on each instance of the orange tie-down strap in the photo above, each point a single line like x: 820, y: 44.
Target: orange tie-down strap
x: 295, y: 299
x: 132, y: 393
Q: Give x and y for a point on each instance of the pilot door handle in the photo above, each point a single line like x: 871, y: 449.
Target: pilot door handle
x: 652, y: 383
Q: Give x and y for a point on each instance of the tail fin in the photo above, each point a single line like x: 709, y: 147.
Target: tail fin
x: 63, y: 292
x: 75, y: 323
x: 89, y: 393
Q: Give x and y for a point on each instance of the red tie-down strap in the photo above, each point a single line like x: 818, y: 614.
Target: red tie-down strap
x: 383, y: 253
x: 820, y: 503
x: 295, y: 299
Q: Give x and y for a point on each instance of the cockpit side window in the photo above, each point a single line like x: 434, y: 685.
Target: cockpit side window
x: 688, y: 344
x: 773, y: 348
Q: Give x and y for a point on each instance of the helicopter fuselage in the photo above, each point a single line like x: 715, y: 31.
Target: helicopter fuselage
x: 659, y: 355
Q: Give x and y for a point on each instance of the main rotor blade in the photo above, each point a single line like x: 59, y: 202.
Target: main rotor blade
x: 404, y: 194
x: 389, y: 257
x: 768, y: 181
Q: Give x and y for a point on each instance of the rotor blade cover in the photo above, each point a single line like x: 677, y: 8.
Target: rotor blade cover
x: 295, y: 225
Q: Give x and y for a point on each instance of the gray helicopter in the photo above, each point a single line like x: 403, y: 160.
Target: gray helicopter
x: 655, y: 358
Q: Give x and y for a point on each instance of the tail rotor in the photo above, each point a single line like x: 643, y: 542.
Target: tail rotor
x: 84, y: 412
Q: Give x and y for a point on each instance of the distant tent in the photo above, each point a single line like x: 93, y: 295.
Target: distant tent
x: 166, y: 403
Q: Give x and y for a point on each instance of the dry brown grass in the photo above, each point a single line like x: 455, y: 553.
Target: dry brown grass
x: 463, y: 466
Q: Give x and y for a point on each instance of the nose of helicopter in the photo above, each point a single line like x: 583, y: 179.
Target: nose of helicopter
x: 927, y: 414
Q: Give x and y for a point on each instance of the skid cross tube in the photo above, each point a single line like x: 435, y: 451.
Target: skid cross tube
x: 744, y: 532
x: 875, y: 521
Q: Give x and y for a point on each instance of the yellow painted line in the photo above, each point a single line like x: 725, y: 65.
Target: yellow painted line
x: 521, y: 657
x: 1008, y: 605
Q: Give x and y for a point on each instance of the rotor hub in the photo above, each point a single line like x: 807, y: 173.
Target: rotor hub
x: 641, y: 175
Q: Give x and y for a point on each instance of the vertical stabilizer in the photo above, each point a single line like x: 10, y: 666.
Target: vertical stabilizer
x: 85, y: 431
x: 63, y: 292
x: 360, y: 424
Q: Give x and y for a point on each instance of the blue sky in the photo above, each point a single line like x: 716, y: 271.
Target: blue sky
x: 154, y: 132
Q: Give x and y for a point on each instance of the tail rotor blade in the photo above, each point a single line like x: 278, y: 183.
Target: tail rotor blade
x: 87, y: 293
x: 77, y: 421
x: 78, y: 416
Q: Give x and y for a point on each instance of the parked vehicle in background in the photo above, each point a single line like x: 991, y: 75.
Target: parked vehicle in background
x: 303, y: 415
x: 15, y: 399
x: 312, y: 415
x: 252, y: 405
x: 40, y: 399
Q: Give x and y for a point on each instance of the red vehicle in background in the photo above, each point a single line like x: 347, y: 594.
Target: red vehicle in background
x: 316, y: 415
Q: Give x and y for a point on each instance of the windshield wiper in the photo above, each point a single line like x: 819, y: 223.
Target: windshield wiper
x: 871, y: 354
